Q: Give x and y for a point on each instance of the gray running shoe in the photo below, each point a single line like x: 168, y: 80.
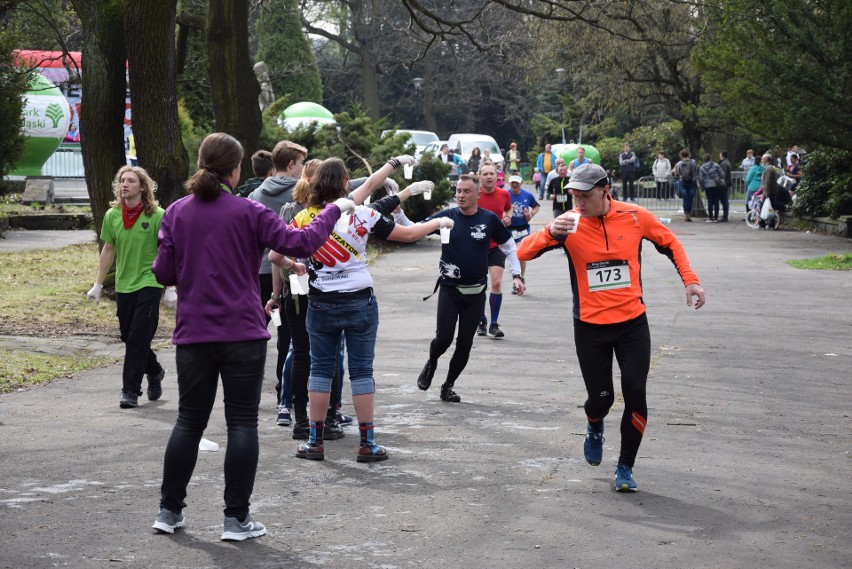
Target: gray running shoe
x: 236, y: 531
x: 168, y: 521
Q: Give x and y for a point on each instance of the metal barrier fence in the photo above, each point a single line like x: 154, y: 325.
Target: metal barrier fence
x: 646, y: 193
x: 66, y: 162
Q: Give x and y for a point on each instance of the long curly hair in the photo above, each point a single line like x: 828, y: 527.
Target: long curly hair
x: 149, y: 188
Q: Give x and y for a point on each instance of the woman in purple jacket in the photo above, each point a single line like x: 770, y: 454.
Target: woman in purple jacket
x: 210, y: 245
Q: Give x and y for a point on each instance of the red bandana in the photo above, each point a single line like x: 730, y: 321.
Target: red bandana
x: 130, y: 215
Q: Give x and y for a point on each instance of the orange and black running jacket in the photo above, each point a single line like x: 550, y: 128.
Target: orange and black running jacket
x: 605, y: 257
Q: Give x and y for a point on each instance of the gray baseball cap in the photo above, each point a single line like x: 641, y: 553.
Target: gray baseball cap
x: 587, y: 176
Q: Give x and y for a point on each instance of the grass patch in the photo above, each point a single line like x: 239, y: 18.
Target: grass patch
x: 832, y: 262
x: 24, y: 369
x: 44, y: 294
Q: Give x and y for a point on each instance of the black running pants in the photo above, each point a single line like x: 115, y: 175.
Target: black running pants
x: 466, y: 309
x: 631, y: 343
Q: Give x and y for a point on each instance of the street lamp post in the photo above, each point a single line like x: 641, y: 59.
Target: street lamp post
x: 418, y: 84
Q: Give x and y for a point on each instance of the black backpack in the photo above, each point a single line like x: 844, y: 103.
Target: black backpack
x: 686, y: 170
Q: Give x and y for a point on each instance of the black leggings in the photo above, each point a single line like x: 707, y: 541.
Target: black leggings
x: 631, y: 342
x: 466, y: 309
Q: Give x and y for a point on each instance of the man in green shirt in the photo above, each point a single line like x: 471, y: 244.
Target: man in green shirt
x: 129, y: 233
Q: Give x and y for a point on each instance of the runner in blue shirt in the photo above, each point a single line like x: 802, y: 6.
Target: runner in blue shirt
x: 524, y: 208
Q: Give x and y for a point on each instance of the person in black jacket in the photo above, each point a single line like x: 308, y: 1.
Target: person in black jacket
x: 627, y: 161
x: 725, y: 165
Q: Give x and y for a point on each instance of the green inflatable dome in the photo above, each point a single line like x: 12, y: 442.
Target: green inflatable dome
x: 303, y: 114
x: 46, y: 119
x: 569, y: 152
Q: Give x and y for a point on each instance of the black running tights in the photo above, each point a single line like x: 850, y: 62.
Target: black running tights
x: 454, y: 306
x: 631, y: 343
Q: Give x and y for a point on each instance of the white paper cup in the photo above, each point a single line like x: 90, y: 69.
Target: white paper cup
x: 576, y: 217
x: 209, y: 446
x: 408, y: 171
x: 445, y: 235
x: 303, y: 282
x: 295, y: 285
x: 342, y: 225
x: 427, y: 195
x: 276, y: 317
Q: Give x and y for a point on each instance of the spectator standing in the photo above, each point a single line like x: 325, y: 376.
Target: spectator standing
x: 546, y: 163
x: 342, y: 303
x: 748, y: 161
x: 499, y: 176
x: 662, y: 171
x: 73, y: 135
x: 513, y: 159
x: 686, y: 170
x: 288, y: 158
x: 728, y: 179
x: 627, y: 162
x: 263, y: 168
x: 711, y: 178
x: 474, y: 160
x: 220, y: 328
x: 129, y: 233
x: 610, y: 181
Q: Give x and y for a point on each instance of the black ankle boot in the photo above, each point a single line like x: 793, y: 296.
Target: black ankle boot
x: 448, y: 395
x: 301, y: 425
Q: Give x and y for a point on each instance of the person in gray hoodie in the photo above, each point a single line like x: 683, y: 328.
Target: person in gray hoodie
x: 712, y: 179
x: 275, y: 191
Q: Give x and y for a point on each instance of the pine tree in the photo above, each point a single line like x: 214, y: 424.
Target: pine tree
x: 285, y: 49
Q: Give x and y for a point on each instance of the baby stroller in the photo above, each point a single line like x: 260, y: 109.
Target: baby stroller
x: 753, y: 216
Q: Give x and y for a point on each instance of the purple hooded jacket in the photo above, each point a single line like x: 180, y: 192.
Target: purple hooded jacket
x: 211, y: 251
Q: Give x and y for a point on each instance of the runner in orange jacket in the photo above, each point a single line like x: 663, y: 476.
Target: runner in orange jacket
x: 604, y: 246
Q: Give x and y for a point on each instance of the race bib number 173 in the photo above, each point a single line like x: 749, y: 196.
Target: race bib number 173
x: 608, y: 275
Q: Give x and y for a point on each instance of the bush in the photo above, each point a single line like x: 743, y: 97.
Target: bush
x: 826, y: 187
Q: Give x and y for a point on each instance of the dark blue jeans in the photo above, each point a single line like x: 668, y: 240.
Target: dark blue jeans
x: 687, y: 192
x: 138, y: 315
x: 199, y: 366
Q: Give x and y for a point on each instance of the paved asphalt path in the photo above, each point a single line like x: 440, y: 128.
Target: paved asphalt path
x: 745, y: 463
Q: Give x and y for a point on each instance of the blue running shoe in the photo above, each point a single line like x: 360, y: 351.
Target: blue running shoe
x: 624, y: 479
x: 593, y: 445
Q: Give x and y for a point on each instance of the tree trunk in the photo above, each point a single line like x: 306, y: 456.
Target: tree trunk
x: 233, y: 85
x: 428, y: 99
x: 102, y: 109
x: 365, y: 38
x: 150, y: 30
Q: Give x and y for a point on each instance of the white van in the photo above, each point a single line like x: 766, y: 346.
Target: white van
x: 463, y: 144
x: 419, y: 138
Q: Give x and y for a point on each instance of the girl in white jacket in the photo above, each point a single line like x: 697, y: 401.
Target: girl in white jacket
x: 662, y: 171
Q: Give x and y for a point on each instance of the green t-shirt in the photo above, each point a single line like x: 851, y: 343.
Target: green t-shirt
x: 135, y: 249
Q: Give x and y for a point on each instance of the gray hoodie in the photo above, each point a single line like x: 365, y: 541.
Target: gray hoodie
x: 274, y: 192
